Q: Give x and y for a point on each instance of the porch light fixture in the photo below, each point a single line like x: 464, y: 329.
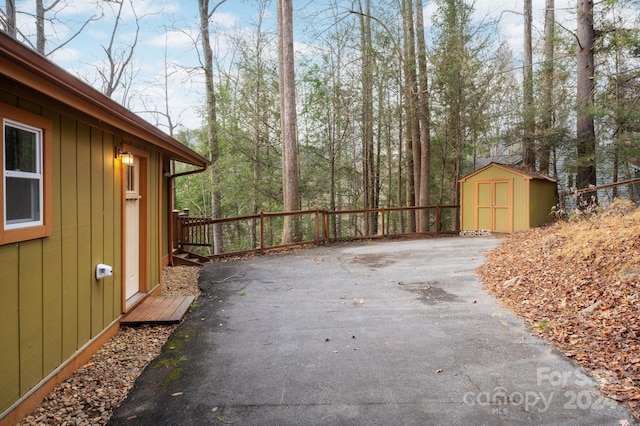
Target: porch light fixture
x: 124, y: 156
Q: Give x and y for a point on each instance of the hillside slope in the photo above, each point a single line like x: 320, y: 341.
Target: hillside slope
x: 577, y: 283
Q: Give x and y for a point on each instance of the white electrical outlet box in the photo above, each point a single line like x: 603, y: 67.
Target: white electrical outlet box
x: 103, y: 271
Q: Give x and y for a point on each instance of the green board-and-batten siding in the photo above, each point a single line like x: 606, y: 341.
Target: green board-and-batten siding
x: 51, y: 305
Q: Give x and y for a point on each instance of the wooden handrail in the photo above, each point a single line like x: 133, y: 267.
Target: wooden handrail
x: 189, y: 231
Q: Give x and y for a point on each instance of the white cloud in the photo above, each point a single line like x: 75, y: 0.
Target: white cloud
x: 225, y: 19
x: 66, y: 55
x: 174, y: 38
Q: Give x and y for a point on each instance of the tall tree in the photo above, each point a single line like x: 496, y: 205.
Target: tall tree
x: 290, y: 195
x: 585, y: 126
x: 466, y: 83
x: 212, y: 125
x: 528, y: 145
x: 10, y: 18
x: 548, y: 66
x: 412, y: 123
x: 617, y: 98
x: 425, y: 121
x: 367, y: 65
x: 452, y: 79
x: 259, y: 110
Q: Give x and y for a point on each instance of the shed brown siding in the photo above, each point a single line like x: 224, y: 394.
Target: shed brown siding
x: 51, y: 305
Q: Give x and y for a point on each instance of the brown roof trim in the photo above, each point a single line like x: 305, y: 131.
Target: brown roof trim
x: 520, y: 171
x: 32, y: 70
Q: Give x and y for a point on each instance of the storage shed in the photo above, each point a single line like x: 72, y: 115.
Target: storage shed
x: 505, y: 198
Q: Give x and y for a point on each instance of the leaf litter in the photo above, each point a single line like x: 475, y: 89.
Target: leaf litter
x: 577, y: 283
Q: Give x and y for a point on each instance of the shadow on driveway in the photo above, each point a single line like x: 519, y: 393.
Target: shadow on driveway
x: 389, y: 333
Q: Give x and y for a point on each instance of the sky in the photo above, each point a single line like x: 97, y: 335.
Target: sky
x: 168, y: 29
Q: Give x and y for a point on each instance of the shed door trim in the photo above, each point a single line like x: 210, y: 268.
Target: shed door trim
x: 493, y: 209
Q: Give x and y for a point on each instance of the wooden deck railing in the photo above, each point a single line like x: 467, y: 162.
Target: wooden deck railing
x: 263, y: 231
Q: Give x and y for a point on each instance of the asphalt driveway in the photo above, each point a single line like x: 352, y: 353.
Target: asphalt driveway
x: 373, y: 333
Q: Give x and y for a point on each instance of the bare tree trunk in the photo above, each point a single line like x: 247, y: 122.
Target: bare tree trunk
x: 291, y: 198
x: 585, y: 128
x: 212, y: 124
x: 399, y: 178
x: 412, y: 129
x: 40, y: 37
x: 528, y: 142
x: 10, y: 6
x: 367, y: 115
x: 547, y: 96
x: 425, y: 122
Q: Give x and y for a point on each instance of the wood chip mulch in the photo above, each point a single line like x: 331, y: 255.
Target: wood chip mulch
x: 577, y: 283
x: 89, y: 395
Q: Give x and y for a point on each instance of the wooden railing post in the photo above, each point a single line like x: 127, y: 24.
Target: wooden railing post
x: 173, y: 234
x: 325, y: 225
x: 175, y: 214
x: 261, y: 231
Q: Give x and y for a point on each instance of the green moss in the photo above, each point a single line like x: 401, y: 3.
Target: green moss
x: 178, y: 339
x: 172, y: 358
x: 174, y: 374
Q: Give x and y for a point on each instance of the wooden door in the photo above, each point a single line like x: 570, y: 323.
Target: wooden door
x: 493, y: 208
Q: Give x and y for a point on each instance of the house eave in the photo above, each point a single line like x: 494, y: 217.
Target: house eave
x: 33, y: 71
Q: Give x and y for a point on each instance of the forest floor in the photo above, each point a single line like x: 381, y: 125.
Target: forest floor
x: 577, y: 283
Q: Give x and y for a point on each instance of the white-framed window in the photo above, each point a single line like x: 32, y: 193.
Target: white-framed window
x: 26, y: 167
x: 23, y: 177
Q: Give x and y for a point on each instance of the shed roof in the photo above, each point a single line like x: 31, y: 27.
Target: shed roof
x: 33, y: 77
x: 527, y: 174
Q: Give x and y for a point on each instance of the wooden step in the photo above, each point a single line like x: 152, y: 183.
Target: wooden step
x: 184, y: 257
x: 159, y: 310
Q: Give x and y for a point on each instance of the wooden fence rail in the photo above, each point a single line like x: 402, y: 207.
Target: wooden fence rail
x: 262, y: 231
